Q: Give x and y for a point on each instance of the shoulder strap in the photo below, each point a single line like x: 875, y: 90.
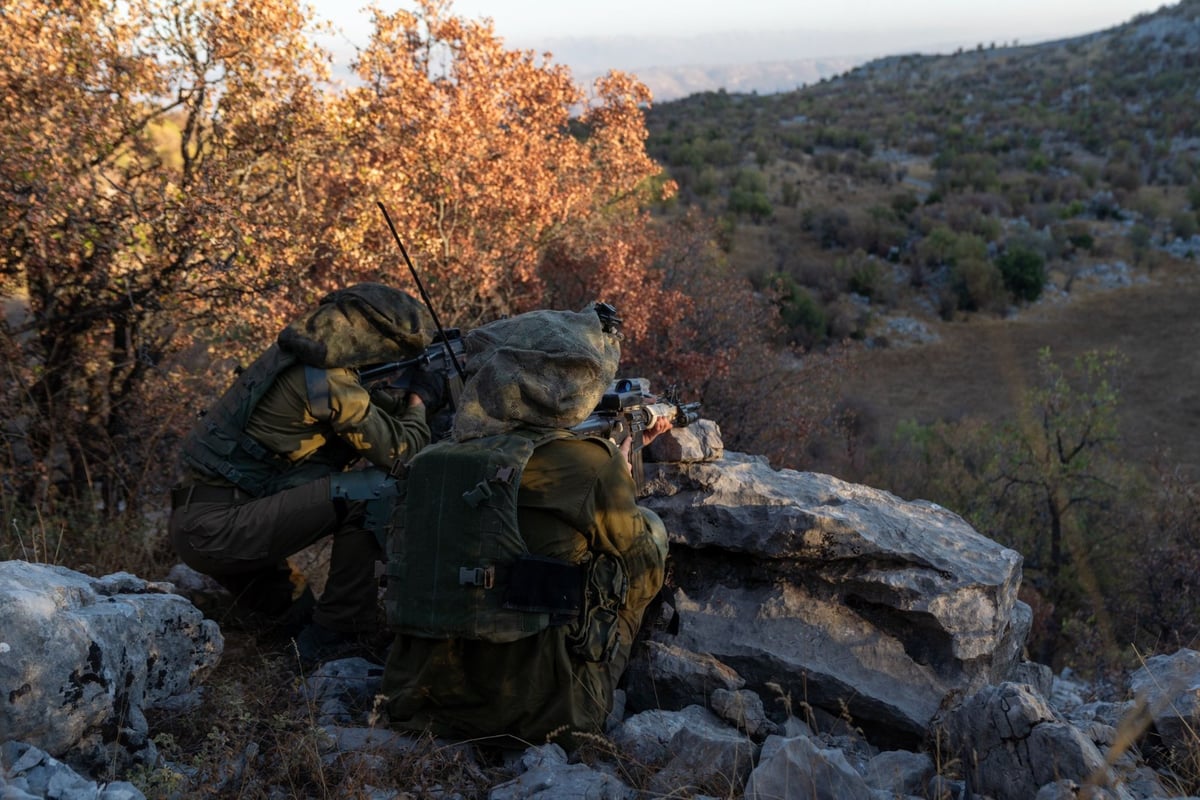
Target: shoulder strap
x: 316, y: 381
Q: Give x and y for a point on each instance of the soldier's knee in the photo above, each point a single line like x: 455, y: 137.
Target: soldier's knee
x: 657, y: 531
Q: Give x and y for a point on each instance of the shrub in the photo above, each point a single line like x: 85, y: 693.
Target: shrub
x: 904, y: 203
x: 831, y: 226
x: 978, y: 285
x: 802, y: 315
x: 1139, y: 239
x: 1183, y: 224
x: 751, y: 204
x: 868, y: 277
x: 1079, y: 236
x: 1023, y: 272
x: 1073, y: 209
x: 936, y: 248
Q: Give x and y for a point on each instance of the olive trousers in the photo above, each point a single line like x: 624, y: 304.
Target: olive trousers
x: 244, y: 545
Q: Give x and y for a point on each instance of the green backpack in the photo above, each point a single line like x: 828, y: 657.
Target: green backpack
x: 457, y: 566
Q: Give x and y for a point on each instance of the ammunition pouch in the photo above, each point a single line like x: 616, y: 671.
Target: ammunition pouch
x: 595, y: 635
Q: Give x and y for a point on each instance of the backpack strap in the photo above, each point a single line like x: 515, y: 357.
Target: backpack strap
x: 316, y: 381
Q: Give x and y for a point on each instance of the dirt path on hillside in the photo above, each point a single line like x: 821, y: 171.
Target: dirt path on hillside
x: 983, y: 366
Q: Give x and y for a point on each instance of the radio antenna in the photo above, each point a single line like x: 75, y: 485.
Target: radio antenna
x: 424, y: 296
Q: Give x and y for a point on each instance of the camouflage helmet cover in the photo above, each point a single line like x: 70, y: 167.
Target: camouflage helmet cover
x: 368, y: 323
x: 542, y: 369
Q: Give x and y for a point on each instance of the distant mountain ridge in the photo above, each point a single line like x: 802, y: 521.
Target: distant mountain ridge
x: 673, y: 82
x: 758, y: 62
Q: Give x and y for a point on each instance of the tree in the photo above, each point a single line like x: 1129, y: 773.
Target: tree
x: 142, y: 190
x: 476, y: 150
x: 166, y: 161
x: 1045, y: 484
x: 1023, y: 271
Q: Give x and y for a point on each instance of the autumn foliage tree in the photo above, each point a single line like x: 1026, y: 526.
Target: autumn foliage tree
x: 180, y: 177
x: 487, y: 158
x: 165, y: 161
x: 140, y: 174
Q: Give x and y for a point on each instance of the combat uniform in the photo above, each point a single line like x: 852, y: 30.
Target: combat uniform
x: 576, y: 496
x: 252, y: 497
x: 576, y: 501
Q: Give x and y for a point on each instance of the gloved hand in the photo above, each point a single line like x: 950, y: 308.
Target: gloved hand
x: 390, y: 402
x: 430, y: 386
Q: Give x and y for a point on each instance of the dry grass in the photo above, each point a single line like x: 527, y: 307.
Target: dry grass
x: 983, y: 366
x: 256, y: 736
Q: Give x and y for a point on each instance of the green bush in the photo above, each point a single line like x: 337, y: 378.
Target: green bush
x: 1073, y: 209
x: 1140, y: 237
x: 1023, y: 272
x: 1084, y: 241
x: 867, y: 276
x: 904, y: 203
x: 1183, y: 224
x: 706, y: 182
x: 751, y: 204
x: 805, y: 319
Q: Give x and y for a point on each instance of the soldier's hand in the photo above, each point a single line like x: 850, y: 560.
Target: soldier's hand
x: 430, y: 386
x: 391, y: 403
x: 660, y: 426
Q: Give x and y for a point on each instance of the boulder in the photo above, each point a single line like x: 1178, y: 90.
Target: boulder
x: 744, y: 710
x: 700, y: 441
x: 710, y: 757
x: 663, y: 675
x: 1013, y: 744
x: 900, y: 772
x: 645, y: 737
x: 27, y: 773
x: 800, y: 767
x: 83, y: 658
x: 1168, y: 688
x: 834, y: 594
x: 546, y: 774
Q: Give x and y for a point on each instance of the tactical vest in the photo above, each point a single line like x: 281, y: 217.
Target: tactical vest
x: 218, y: 446
x: 458, y: 566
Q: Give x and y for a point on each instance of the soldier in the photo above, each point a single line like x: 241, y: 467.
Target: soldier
x: 259, y: 466
x: 520, y: 584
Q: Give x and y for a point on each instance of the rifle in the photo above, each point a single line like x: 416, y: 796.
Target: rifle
x: 443, y: 357
x: 627, y: 409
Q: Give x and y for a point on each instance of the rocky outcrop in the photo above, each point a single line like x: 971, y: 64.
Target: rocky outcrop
x: 820, y: 639
x: 1013, y: 743
x: 27, y: 773
x: 1168, y: 689
x: 82, y: 659
x: 812, y: 589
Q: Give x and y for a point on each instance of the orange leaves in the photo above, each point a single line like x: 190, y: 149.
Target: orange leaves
x: 166, y: 161
x: 475, y: 147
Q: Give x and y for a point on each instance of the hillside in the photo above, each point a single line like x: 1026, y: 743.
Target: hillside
x: 972, y: 197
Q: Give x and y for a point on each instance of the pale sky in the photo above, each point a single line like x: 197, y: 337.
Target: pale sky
x: 626, y: 34
x: 531, y: 19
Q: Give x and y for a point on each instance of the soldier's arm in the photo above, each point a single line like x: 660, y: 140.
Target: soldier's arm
x: 381, y: 436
